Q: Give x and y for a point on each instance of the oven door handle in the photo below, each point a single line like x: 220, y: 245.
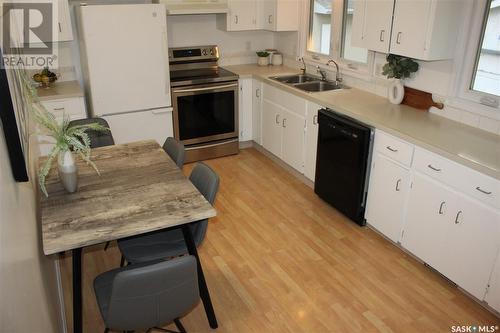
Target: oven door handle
x: 205, y: 88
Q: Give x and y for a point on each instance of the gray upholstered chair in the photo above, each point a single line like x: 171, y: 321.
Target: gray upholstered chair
x: 170, y: 242
x: 146, y: 296
x: 175, y: 149
x: 97, y: 139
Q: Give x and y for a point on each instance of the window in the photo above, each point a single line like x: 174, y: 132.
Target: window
x: 349, y: 52
x: 330, y: 24
x: 320, y: 26
x: 486, y: 75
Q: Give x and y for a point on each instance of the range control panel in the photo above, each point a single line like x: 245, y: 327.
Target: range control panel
x: 182, y: 54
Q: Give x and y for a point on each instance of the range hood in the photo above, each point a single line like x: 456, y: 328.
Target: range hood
x: 192, y: 7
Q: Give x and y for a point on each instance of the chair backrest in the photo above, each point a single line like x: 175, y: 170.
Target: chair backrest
x: 207, y: 182
x: 149, y: 295
x: 97, y: 139
x: 175, y: 149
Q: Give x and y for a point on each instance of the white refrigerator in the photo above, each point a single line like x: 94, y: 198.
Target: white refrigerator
x: 124, y: 55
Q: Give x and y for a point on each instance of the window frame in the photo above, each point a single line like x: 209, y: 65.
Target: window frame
x: 350, y: 67
x: 465, y: 68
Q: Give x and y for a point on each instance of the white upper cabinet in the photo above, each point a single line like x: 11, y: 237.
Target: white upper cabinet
x: 65, y: 32
x: 371, y: 27
x: 424, y: 29
x: 242, y: 15
x: 273, y: 15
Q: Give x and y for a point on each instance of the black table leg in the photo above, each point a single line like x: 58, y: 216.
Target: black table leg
x: 77, y: 290
x: 202, y: 284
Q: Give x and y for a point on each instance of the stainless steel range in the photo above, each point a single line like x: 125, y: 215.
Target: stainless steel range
x: 205, y: 103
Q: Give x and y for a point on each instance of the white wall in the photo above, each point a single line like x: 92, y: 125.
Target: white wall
x: 235, y: 47
x: 28, y: 285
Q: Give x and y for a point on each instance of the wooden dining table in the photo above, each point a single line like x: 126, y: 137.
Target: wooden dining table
x: 140, y: 189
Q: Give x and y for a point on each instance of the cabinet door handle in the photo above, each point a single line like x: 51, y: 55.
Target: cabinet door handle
x: 382, y: 35
x: 269, y: 19
x: 236, y: 19
x: 284, y: 123
x: 58, y: 109
x: 59, y: 24
x: 398, y: 38
x: 277, y: 119
x: 441, y: 206
x: 391, y: 149
x: 457, y: 217
x: 257, y: 93
x: 433, y: 168
x: 315, y: 119
x: 483, y: 191
x: 397, y: 185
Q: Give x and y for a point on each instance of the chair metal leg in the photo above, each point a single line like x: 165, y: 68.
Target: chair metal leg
x: 77, y: 290
x: 106, y: 246
x: 122, y: 261
x: 179, y: 326
x: 106, y: 330
x: 202, y: 284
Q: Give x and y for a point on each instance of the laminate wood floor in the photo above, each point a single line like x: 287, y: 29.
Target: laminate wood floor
x: 279, y: 259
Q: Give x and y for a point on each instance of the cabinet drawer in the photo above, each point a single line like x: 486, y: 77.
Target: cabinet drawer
x: 285, y: 100
x: 72, y: 107
x: 394, y: 148
x: 464, y: 179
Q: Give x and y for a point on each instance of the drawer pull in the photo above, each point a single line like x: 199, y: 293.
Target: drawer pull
x: 441, y: 208
x: 277, y: 119
x: 483, y: 191
x: 433, y: 168
x: 58, y: 109
x: 457, y: 217
x: 284, y: 123
x: 397, y: 185
x: 391, y: 149
x: 315, y: 119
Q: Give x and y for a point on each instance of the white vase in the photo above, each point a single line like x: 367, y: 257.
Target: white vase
x: 396, y: 91
x: 68, y: 173
x: 263, y: 61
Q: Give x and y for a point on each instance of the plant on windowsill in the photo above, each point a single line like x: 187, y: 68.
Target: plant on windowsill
x: 263, y: 59
x: 398, y: 68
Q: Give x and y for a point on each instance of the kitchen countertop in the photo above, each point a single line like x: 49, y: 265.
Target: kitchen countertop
x: 60, y: 90
x: 461, y: 143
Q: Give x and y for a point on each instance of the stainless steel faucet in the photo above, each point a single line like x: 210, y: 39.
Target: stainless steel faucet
x: 338, y: 77
x: 321, y: 72
x: 304, y: 64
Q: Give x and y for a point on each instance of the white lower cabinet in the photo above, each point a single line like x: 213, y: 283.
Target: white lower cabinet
x: 311, y: 143
x: 271, y: 127
x: 493, y: 294
x: 257, y: 111
x: 388, y: 193
x: 283, y: 126
x: 245, y: 113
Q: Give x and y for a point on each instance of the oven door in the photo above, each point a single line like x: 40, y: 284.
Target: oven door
x: 204, y: 113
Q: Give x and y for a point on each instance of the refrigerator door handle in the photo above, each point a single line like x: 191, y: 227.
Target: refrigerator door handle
x: 165, y: 55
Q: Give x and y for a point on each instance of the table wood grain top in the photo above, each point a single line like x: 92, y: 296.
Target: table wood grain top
x: 140, y: 189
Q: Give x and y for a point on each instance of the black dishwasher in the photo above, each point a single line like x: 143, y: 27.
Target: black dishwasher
x: 344, y: 151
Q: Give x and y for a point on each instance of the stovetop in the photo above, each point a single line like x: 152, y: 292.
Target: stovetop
x: 201, y: 76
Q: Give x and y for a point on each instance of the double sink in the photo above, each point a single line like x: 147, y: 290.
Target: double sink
x: 308, y: 83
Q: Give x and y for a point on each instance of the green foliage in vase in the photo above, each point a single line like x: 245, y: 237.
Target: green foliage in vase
x: 399, y: 67
x: 262, y: 54
x: 68, y: 138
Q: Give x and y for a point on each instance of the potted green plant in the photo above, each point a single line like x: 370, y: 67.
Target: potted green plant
x: 398, y: 68
x: 69, y: 140
x: 263, y: 58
